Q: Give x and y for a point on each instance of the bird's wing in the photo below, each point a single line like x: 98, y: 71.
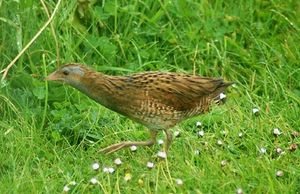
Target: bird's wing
x: 179, y: 91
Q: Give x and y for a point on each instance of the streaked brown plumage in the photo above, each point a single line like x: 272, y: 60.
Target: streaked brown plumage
x: 158, y: 100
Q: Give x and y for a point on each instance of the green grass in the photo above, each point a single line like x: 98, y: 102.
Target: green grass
x: 50, y: 134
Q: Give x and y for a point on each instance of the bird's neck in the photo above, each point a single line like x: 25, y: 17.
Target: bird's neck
x: 99, y: 87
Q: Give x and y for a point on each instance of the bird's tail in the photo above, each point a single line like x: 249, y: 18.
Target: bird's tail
x: 219, y: 95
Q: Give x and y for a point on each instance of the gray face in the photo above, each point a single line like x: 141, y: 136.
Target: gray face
x: 72, y: 75
x: 72, y: 70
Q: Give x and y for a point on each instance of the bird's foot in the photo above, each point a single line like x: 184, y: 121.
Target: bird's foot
x: 113, y: 148
x: 124, y: 144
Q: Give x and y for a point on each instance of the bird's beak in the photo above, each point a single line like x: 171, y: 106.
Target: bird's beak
x: 51, y: 77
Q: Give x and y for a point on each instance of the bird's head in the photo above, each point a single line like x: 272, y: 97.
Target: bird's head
x: 71, y: 74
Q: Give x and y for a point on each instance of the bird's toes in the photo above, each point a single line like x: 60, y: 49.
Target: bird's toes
x: 104, y: 150
x: 111, y: 149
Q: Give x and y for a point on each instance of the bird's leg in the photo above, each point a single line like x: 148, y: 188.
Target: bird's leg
x: 124, y: 144
x: 169, y: 137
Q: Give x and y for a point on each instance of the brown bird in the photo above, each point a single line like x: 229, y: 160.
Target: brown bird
x: 157, y: 100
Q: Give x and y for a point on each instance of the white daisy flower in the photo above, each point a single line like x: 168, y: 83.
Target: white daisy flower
x: 73, y: 183
x: 94, y: 181
x: 162, y: 154
x: 239, y: 191
x: 150, y: 164
x: 262, y: 150
x: 118, y: 161
x: 276, y: 131
x: 160, y: 141
x: 95, y: 166
x: 255, y: 111
x: 179, y: 182
x: 220, y: 142
x: 176, y: 133
x: 279, y: 173
x: 201, y: 133
x: 66, y: 188
x: 222, y: 96
x: 198, y: 124
x: 133, y: 148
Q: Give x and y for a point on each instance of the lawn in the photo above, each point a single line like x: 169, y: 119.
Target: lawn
x: 50, y: 134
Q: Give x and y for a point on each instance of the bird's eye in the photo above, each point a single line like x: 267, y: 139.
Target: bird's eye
x: 66, y: 72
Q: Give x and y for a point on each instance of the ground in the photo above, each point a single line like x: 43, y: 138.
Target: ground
x: 51, y: 133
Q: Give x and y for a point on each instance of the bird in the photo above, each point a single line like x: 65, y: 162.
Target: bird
x: 157, y: 100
